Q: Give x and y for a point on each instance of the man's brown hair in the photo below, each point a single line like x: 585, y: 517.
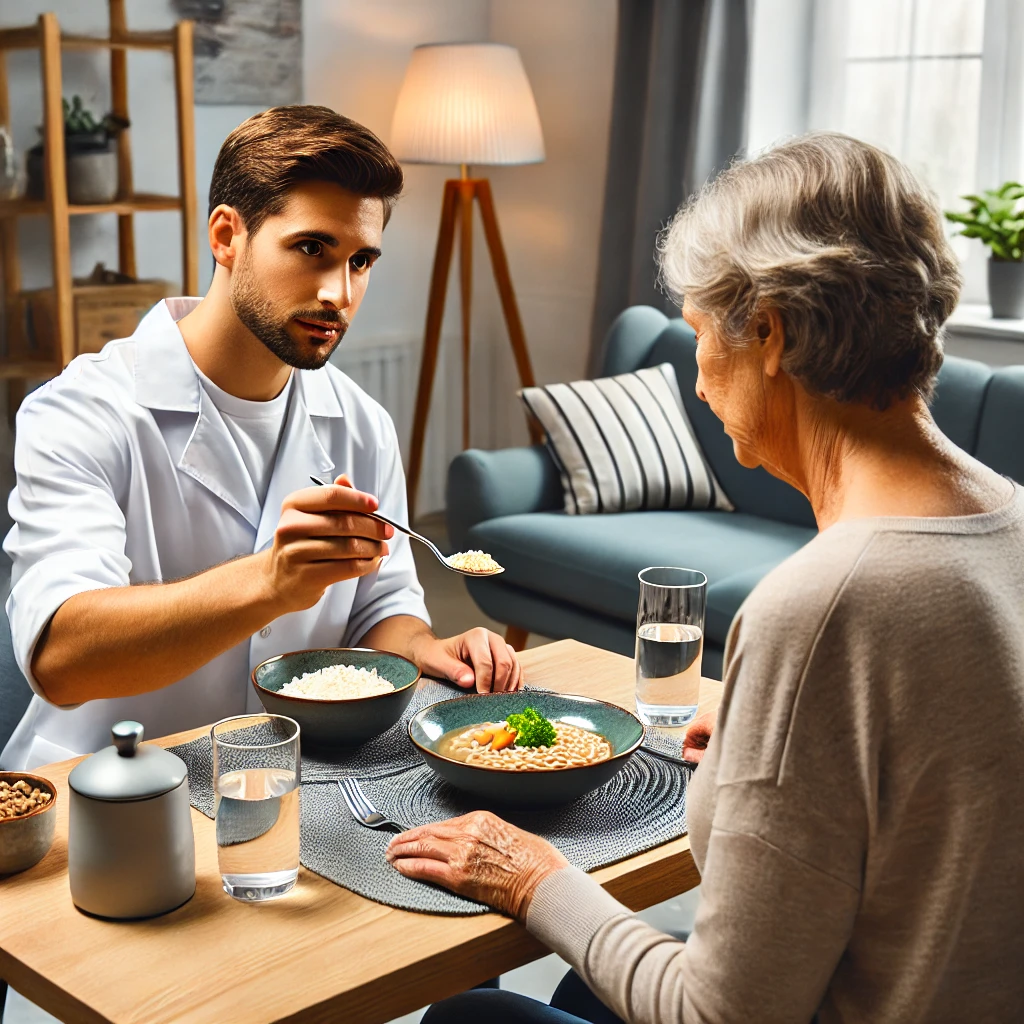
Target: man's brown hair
x: 270, y: 153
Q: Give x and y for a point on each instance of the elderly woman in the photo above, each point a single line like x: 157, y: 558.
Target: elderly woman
x: 861, y: 857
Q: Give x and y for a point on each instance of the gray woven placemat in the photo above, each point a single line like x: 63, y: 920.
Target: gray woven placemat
x: 665, y: 741
x: 643, y: 806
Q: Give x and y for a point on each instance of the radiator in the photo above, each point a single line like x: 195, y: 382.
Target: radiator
x: 388, y: 371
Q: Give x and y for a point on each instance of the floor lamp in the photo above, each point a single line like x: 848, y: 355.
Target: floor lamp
x: 465, y: 104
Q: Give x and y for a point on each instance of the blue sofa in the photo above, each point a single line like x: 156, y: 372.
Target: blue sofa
x: 576, y: 576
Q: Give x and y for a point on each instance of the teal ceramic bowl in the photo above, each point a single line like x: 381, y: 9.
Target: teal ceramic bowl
x: 623, y: 731
x: 337, y: 723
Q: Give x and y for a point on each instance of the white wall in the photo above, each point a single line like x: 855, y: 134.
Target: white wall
x: 356, y: 55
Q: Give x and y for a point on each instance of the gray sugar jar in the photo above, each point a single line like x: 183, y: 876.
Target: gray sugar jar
x: 131, y: 851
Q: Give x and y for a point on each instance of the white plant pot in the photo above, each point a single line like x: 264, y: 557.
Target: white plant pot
x: 1006, y: 289
x: 92, y: 177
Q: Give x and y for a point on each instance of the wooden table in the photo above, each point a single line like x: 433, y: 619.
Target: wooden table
x: 321, y: 953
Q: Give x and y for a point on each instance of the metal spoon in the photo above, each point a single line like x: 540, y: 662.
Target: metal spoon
x: 443, y: 559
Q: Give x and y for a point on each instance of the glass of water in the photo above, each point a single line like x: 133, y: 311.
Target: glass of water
x: 669, y: 641
x: 256, y: 798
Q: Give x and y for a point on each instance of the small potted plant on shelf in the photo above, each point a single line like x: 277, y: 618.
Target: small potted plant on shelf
x: 91, y: 156
x: 997, y: 218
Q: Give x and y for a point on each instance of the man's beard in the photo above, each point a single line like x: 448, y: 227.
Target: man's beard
x: 258, y: 315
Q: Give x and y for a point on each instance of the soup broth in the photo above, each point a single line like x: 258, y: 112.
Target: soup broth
x: 573, y: 748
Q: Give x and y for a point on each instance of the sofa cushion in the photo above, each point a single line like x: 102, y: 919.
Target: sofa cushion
x: 624, y: 443
x: 592, y: 561
x: 1000, y: 444
x: 959, y: 398
x: 629, y: 339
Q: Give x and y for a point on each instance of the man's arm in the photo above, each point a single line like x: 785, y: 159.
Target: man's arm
x: 120, y: 641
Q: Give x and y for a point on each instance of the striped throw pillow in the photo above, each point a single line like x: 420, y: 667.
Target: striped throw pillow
x: 625, y: 443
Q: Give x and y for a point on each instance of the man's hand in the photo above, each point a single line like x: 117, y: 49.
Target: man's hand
x: 697, y: 736
x: 323, y: 537
x: 479, y: 856
x: 477, y: 657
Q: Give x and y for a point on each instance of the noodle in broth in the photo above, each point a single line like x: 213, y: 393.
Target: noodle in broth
x: 573, y: 748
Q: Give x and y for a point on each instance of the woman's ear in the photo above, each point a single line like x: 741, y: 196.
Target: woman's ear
x: 771, y: 338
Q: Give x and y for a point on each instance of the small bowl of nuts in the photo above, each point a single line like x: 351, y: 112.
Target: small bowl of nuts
x: 27, y: 820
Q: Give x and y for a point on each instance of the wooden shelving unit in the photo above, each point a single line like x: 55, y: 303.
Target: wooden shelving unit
x: 18, y: 365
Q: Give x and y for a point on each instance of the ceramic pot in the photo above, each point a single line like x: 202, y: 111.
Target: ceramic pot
x: 92, y: 177
x: 131, y: 851
x: 24, y: 841
x: 1006, y: 288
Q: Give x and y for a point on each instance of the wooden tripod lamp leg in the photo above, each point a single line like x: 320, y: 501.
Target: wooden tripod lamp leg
x: 505, y: 292
x: 432, y: 338
x: 466, y: 294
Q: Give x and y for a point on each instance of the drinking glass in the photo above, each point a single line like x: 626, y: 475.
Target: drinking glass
x: 669, y: 641
x: 256, y: 799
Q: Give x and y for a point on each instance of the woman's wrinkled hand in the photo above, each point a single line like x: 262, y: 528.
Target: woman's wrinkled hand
x: 697, y: 735
x: 478, y: 856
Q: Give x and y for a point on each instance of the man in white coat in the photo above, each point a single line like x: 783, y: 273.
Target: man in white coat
x: 166, y: 535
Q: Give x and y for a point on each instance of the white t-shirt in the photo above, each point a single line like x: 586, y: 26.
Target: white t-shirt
x: 255, y: 427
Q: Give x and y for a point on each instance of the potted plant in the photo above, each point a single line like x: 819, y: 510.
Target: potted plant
x: 90, y: 154
x: 997, y: 218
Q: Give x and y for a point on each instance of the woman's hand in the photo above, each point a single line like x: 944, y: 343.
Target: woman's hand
x: 697, y: 735
x: 478, y: 856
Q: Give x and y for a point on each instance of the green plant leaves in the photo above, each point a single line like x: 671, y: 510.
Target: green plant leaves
x: 996, y: 218
x: 78, y: 120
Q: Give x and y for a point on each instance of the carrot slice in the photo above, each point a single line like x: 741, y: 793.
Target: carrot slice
x: 503, y: 738
x: 484, y: 736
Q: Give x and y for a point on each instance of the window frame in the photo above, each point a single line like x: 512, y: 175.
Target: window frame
x: 1000, y: 155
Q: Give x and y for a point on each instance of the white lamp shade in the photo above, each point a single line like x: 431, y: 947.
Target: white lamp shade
x: 466, y: 103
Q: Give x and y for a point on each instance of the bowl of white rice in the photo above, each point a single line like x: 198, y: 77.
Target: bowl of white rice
x: 340, y: 696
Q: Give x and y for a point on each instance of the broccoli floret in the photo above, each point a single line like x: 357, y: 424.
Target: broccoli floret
x: 532, y: 729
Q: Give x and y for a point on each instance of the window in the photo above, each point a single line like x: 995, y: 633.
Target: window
x: 938, y: 83
x: 911, y: 82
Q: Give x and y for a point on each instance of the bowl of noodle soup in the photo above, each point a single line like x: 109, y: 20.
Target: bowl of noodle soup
x: 593, y: 741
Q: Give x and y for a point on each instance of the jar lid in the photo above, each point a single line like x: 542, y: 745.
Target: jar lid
x: 128, y: 770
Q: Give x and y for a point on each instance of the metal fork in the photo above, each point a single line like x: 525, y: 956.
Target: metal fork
x: 362, y: 810
x: 436, y: 551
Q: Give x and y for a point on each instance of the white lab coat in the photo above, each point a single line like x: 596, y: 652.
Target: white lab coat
x: 126, y: 474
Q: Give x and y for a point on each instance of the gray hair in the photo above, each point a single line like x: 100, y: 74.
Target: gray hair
x: 844, y: 242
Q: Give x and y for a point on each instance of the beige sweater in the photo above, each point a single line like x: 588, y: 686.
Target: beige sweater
x: 858, y: 819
